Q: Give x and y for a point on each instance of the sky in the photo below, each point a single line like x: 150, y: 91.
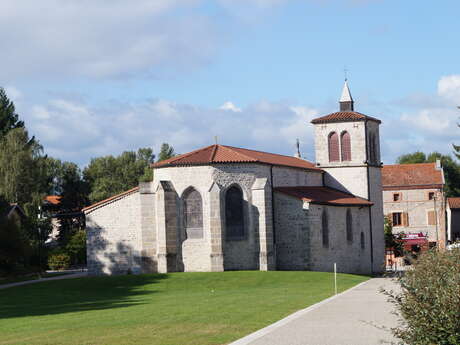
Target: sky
x: 99, y: 77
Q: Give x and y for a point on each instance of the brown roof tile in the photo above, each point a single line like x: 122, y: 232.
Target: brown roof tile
x: 228, y: 154
x: 324, y: 196
x: 454, y: 202
x: 344, y: 116
x: 411, y: 175
x: 112, y: 198
x: 53, y: 199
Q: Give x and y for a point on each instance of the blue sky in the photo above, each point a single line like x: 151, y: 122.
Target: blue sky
x: 95, y: 77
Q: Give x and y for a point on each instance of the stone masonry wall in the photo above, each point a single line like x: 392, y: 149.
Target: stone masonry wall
x: 416, y: 204
x: 349, y: 257
x: 114, y: 241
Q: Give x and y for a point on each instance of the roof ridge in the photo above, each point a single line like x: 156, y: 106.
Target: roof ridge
x: 99, y: 203
x: 396, y: 164
x: 268, y: 153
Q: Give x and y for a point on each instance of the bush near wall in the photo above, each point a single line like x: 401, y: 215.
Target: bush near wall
x: 59, y: 261
x: 429, y: 301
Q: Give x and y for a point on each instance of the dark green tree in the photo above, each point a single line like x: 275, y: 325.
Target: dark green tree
x: 9, y: 119
x: 109, y: 175
x: 412, y: 158
x: 166, y: 152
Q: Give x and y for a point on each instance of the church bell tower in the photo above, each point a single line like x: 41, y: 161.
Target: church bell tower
x: 347, y: 146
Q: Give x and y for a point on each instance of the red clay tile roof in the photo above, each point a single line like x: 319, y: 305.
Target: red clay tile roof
x: 454, y: 202
x: 53, y: 199
x: 421, y: 175
x: 228, y: 154
x: 344, y: 116
x: 112, y: 198
x: 324, y: 196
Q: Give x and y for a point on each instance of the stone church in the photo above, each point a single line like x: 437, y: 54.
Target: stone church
x: 227, y: 208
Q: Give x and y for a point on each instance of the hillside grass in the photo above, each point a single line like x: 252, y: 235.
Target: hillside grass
x: 167, y: 309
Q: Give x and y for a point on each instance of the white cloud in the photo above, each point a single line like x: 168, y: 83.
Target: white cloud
x: 230, y: 106
x: 449, y: 88
x: 75, y: 131
x: 97, y: 39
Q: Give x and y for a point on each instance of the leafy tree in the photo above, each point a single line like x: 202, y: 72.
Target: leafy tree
x: 429, y: 300
x: 15, y: 248
x: 111, y: 175
x: 450, y: 167
x: 411, y: 158
x: 166, y: 152
x: 392, y: 240
x: 76, y: 248
x: 9, y: 119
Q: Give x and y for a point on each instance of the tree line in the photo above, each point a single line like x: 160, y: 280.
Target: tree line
x: 28, y: 175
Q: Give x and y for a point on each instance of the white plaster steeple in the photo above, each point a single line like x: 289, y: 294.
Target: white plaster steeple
x: 346, y: 101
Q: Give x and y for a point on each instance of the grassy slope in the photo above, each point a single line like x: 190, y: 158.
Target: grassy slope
x: 175, y: 309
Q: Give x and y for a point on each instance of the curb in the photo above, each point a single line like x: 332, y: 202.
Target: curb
x: 270, y: 328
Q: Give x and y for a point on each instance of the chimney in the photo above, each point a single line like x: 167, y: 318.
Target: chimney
x: 438, y: 164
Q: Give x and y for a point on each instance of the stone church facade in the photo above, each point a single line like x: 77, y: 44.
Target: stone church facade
x: 226, y: 208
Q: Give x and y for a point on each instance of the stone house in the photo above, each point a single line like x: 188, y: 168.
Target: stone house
x: 228, y: 208
x: 453, y: 219
x: 413, y: 200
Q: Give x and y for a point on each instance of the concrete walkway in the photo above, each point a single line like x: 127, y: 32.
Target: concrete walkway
x: 357, y: 316
x: 65, y: 276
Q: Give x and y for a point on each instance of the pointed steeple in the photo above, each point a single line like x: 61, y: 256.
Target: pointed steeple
x: 346, y: 101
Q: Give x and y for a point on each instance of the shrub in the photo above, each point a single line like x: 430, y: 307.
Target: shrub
x: 59, y: 261
x: 76, y: 247
x: 429, y: 300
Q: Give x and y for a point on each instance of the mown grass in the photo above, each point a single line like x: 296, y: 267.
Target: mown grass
x: 167, y: 309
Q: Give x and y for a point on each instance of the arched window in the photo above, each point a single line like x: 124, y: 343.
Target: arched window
x: 361, y: 240
x: 325, y: 229
x: 349, y: 227
x: 234, y: 215
x: 345, y: 146
x: 193, y: 213
x: 333, y: 144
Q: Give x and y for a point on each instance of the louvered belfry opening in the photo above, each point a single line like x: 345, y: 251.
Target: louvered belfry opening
x: 345, y: 146
x: 333, y: 143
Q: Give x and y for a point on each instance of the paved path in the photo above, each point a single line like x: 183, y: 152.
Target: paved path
x: 355, y: 317
x: 65, y: 276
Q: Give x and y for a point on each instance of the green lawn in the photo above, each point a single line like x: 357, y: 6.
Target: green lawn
x: 174, y: 309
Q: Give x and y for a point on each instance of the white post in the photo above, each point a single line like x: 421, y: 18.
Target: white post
x: 335, y: 278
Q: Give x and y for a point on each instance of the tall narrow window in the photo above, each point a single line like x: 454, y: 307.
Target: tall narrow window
x: 234, y: 215
x: 333, y: 144
x: 371, y: 148
x: 374, y: 144
x: 325, y: 229
x: 361, y: 240
x: 349, y: 227
x: 193, y: 213
x: 345, y: 146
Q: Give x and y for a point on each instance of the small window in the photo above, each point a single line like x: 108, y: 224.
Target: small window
x: 396, y: 197
x: 349, y: 227
x: 361, y: 240
x: 397, y: 219
x: 431, y: 218
x: 431, y: 196
x: 325, y: 229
